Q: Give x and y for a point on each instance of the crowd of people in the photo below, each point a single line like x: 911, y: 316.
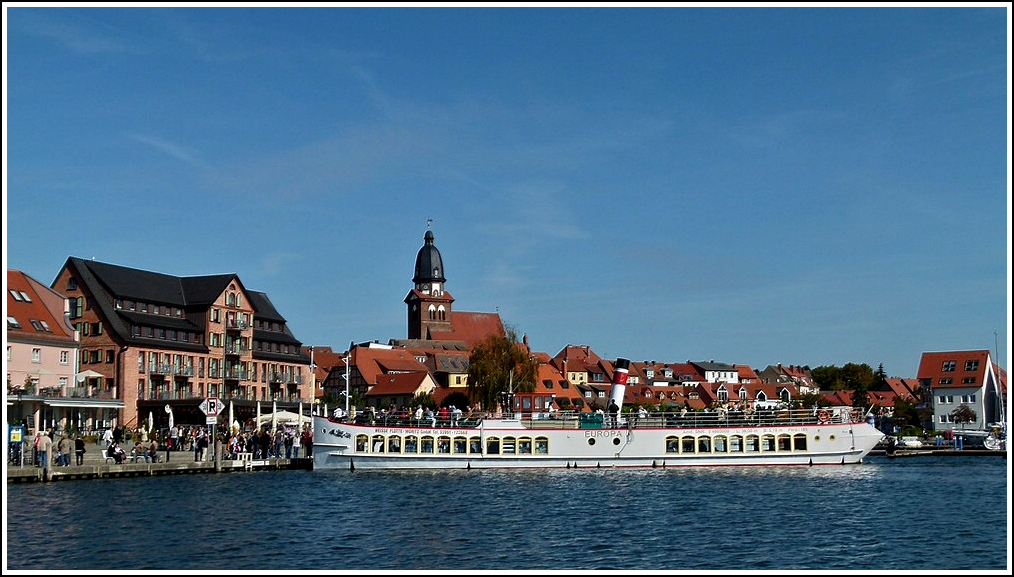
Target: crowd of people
x: 415, y: 415
x: 285, y: 442
x: 53, y: 448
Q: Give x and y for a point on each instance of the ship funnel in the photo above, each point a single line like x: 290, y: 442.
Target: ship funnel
x: 620, y: 372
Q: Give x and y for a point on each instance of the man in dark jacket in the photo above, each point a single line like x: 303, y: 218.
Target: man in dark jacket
x: 79, y: 450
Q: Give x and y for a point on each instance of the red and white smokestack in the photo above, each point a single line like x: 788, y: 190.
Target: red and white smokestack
x: 620, y: 372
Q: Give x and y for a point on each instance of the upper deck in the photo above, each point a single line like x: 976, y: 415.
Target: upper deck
x: 629, y: 420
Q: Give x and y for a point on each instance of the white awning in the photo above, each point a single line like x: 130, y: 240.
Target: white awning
x: 85, y: 403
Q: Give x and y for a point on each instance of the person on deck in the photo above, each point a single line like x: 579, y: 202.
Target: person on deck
x: 614, y: 413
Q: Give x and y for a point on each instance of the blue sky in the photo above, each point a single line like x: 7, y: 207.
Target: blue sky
x: 813, y: 186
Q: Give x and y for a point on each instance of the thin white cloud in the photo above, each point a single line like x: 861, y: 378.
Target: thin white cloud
x: 775, y: 130
x: 82, y: 35
x: 276, y: 263
x: 176, y: 151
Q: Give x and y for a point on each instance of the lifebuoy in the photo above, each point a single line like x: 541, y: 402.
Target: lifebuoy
x: 823, y: 417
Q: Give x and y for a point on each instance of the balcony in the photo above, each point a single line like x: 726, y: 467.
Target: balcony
x: 160, y: 369
x: 236, y: 325
x: 235, y: 349
x: 79, y: 393
x: 285, y: 379
x: 237, y: 374
x: 177, y: 395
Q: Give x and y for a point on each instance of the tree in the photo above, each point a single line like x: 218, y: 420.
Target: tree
x: 500, y: 363
x: 813, y: 400
x: 906, y: 412
x: 827, y: 378
x: 879, y: 379
x: 857, y: 377
x: 963, y: 414
x: 424, y: 400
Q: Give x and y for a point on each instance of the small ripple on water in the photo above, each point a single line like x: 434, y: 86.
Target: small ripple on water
x: 845, y: 518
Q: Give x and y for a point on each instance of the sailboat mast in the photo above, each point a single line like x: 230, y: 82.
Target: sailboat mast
x: 997, y: 390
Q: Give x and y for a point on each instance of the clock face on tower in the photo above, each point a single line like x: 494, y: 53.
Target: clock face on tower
x: 426, y: 287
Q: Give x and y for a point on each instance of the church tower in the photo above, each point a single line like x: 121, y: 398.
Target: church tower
x: 429, y: 305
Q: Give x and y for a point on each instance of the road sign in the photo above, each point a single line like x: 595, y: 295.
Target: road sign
x: 211, y: 406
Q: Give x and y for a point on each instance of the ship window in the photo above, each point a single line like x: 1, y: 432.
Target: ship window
x: 541, y: 446
x: 752, y: 444
x: 378, y: 443
x: 411, y: 444
x: 493, y: 446
x: 721, y: 444
x: 460, y: 445
x: 474, y: 445
x: 736, y: 444
x: 524, y: 446
x: 394, y: 444
x: 687, y: 445
x: 672, y: 445
x: 704, y: 445
x: 768, y: 443
x: 509, y: 446
x: 444, y: 445
x: 427, y: 445
x: 799, y: 442
x: 362, y: 441
x: 784, y: 443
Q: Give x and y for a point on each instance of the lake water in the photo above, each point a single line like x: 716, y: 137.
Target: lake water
x: 919, y: 513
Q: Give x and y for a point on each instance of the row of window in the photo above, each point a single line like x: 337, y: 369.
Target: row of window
x: 20, y: 296
x: 509, y: 445
x: 949, y: 399
x: 165, y: 363
x: 37, y: 355
x: 39, y: 325
x: 445, y: 444
x: 951, y: 366
x: 216, y: 339
x: 143, y: 307
x: 736, y: 443
x: 950, y: 381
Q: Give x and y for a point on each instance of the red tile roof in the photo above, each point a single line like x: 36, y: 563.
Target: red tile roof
x: 372, y: 363
x: 39, y: 303
x: 948, y: 369
x: 471, y: 328
x: 401, y: 384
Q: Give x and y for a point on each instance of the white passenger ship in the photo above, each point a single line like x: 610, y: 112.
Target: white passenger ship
x: 827, y: 436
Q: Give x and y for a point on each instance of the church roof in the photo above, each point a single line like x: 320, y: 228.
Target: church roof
x: 429, y: 267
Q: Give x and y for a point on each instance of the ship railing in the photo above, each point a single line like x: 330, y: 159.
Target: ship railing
x: 628, y: 420
x: 398, y: 420
x: 688, y: 419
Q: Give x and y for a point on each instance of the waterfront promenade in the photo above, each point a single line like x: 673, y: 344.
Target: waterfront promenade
x: 96, y: 466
